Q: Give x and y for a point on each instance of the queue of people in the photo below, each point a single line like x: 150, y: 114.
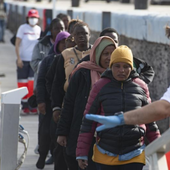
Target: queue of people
x: 72, y: 79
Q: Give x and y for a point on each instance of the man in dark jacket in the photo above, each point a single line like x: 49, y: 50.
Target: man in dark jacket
x: 44, y: 104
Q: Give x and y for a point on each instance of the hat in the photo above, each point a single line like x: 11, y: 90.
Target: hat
x: 102, y: 45
x: 33, y: 13
x: 122, y: 54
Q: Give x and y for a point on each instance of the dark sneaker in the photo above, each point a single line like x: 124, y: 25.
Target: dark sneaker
x: 41, y: 162
x: 49, y: 161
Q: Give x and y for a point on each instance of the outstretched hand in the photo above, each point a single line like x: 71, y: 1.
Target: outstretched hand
x: 107, y: 121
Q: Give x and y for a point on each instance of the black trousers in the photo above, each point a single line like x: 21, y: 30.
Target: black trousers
x: 53, y: 127
x: 73, y: 163
x: 59, y: 151
x: 131, y: 166
x: 44, y: 138
x: 59, y: 158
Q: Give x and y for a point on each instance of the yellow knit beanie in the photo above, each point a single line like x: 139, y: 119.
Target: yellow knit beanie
x: 122, y: 54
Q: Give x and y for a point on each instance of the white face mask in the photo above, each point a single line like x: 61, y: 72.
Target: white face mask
x: 33, y: 21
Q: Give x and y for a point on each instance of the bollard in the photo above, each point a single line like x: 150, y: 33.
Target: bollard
x: 141, y: 4
x: 75, y: 3
x: 125, y: 1
x: 70, y: 12
x: 10, y: 107
x: 106, y: 20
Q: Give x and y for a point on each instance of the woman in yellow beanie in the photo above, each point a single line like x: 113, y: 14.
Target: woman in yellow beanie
x: 82, y: 79
x: 122, y: 147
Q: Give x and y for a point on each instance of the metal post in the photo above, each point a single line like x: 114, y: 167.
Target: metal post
x: 141, y: 4
x: 54, y: 12
x: 10, y: 105
x: 75, y: 3
x: 106, y: 19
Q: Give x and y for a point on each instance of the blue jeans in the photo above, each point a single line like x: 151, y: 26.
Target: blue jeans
x: 2, y: 29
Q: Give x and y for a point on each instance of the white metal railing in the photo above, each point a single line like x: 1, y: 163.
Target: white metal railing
x: 10, y: 107
x: 156, y: 151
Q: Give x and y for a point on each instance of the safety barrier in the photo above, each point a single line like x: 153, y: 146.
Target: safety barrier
x: 10, y: 107
x: 156, y: 152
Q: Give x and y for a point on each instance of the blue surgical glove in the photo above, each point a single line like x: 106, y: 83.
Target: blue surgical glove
x: 107, y: 121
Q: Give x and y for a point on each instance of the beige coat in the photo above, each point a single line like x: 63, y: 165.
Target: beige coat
x: 70, y: 60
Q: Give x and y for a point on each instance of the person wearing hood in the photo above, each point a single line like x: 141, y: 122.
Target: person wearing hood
x: 121, y: 147
x: 53, y: 69
x: 43, y: 100
x: 70, y: 57
x: 49, y: 80
x: 141, y: 67
x: 82, y: 79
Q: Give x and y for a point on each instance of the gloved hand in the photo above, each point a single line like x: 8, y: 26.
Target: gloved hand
x: 107, y: 121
